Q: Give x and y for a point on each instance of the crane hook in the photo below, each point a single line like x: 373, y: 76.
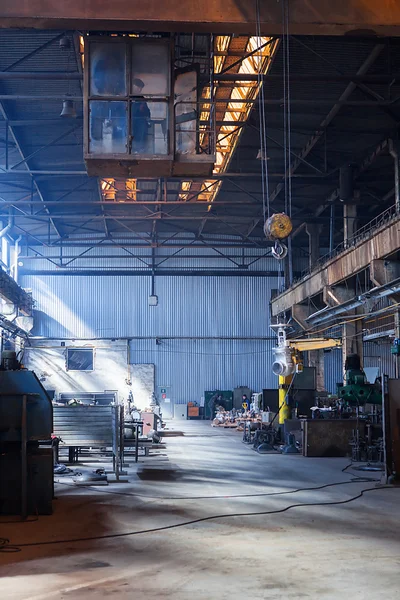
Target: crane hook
x: 279, y: 250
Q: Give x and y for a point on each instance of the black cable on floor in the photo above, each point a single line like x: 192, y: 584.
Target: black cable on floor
x: 5, y: 547
x: 224, y: 496
x: 20, y: 521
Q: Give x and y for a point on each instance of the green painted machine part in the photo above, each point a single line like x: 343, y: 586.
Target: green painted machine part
x: 226, y: 401
x: 356, y: 390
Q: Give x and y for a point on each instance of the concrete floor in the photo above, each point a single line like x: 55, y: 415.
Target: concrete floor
x: 351, y: 550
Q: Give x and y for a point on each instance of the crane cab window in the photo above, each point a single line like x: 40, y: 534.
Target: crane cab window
x: 129, y: 96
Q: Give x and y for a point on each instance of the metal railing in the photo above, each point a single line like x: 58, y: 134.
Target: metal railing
x: 362, y: 234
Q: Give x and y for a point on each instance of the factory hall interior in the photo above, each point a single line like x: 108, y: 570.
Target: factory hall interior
x: 200, y: 300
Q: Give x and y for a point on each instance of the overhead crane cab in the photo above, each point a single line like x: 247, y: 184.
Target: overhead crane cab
x: 142, y: 118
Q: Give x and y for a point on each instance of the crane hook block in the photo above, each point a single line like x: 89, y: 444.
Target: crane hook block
x: 278, y: 226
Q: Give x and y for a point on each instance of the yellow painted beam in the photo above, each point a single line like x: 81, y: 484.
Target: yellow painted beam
x: 314, y: 344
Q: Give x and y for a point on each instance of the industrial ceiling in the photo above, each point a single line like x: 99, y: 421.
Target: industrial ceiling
x: 344, y: 107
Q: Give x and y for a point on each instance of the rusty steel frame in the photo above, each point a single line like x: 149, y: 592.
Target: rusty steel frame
x: 307, y: 17
x: 378, y: 239
x: 5, y: 116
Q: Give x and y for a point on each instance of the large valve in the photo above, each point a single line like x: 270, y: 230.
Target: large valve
x: 287, y: 360
x: 284, y: 364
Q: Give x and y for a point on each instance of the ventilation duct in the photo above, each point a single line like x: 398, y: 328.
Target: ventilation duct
x: 7, y: 228
x: 24, y: 323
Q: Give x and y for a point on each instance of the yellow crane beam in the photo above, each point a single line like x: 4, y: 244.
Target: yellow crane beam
x: 305, y: 345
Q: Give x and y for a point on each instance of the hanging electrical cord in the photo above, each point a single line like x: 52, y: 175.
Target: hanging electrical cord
x: 262, y: 120
x: 288, y: 117
x: 285, y: 125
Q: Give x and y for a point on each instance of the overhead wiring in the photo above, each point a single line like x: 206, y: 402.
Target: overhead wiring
x: 262, y: 123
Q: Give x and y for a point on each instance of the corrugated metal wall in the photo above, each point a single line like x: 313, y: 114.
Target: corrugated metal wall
x: 191, y: 307
x: 189, y: 367
x: 377, y: 354
x: 333, y: 369
x: 117, y: 307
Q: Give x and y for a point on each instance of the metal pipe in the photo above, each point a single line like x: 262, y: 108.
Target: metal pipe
x: 147, y: 256
x: 24, y: 458
x: 62, y: 173
x: 332, y: 228
x: 200, y: 203
x: 290, y: 261
x: 234, y: 272
x: 267, y: 101
x: 16, y: 253
x: 41, y: 75
x: 381, y: 334
x: 306, y: 77
x: 162, y: 337
x: 327, y: 313
x: 150, y: 217
x: 10, y: 224
x: 393, y: 151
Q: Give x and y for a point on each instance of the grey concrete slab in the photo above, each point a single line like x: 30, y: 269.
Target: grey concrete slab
x: 325, y: 552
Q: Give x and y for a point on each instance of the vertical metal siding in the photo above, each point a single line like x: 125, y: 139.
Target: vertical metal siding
x: 117, y: 307
x: 333, y: 370
x: 90, y: 307
x: 190, y: 367
x: 377, y: 354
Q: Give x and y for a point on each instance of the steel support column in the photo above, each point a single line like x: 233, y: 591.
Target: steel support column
x: 313, y: 232
x: 349, y: 221
x: 394, y: 151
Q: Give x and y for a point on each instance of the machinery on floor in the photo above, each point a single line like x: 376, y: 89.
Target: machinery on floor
x: 356, y: 390
x: 288, y: 362
x: 301, y: 419
x: 26, y: 421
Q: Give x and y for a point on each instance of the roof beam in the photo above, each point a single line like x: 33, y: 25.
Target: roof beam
x: 307, y: 17
x: 382, y: 242
x: 21, y: 152
x: 33, y: 52
x: 268, y: 101
x: 362, y: 167
x: 313, y: 140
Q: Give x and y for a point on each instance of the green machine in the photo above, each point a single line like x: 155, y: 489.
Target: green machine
x: 217, y: 398
x: 356, y: 390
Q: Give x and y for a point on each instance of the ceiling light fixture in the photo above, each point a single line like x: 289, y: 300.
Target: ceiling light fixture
x: 68, y: 110
x: 262, y: 155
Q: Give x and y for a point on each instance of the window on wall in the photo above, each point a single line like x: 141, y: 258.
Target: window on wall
x: 80, y: 359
